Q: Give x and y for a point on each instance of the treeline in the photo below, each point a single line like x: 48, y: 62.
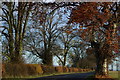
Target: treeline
x: 40, y: 33
x: 27, y: 70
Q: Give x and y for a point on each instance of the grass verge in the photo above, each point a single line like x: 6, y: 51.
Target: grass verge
x: 115, y: 74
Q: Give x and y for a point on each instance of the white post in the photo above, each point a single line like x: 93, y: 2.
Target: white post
x: 105, y: 66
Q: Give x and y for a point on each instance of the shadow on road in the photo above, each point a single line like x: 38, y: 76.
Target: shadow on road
x: 74, y: 76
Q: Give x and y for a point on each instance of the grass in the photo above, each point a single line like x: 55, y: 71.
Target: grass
x: 114, y: 74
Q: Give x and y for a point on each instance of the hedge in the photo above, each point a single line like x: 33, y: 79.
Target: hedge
x: 48, y: 69
x: 14, y: 70
x: 76, y: 69
x: 65, y: 69
x: 59, y: 69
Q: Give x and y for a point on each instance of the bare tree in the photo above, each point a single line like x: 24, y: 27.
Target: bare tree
x: 43, y: 32
x: 66, y: 42
x: 15, y: 17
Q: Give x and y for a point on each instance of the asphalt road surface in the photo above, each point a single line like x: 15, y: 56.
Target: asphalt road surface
x: 74, y: 76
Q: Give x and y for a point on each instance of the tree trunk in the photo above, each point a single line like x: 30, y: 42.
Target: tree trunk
x: 102, y: 66
x: 11, y: 45
x: 47, y: 58
x: 64, y: 62
x: 99, y: 67
x: 101, y: 62
x: 11, y: 50
x: 18, y: 52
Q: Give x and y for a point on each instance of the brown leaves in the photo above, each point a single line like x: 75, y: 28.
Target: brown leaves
x: 92, y: 17
x: 83, y: 12
x: 88, y: 13
x: 68, y: 32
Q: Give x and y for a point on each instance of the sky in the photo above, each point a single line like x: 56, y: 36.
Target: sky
x: 48, y: 0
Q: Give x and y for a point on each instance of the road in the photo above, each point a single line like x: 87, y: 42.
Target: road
x: 74, y: 76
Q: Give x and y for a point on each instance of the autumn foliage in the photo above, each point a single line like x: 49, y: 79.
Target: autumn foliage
x: 98, y: 26
x: 95, y: 18
x: 87, y: 13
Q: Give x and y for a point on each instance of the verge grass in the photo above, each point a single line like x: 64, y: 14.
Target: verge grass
x: 114, y: 74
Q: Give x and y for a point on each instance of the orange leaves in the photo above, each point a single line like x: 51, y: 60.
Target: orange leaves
x: 110, y: 42
x: 108, y: 36
x: 83, y: 35
x: 81, y: 26
x: 83, y: 12
x: 91, y: 12
x: 92, y: 17
x: 80, y: 29
x: 85, y: 30
x: 68, y: 32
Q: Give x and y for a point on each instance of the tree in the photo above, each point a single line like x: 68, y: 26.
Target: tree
x: 65, y: 40
x: 44, y: 31
x: 81, y: 56
x: 78, y: 57
x: 97, y: 29
x: 15, y: 18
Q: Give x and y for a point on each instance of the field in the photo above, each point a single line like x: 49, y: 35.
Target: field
x: 114, y: 74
